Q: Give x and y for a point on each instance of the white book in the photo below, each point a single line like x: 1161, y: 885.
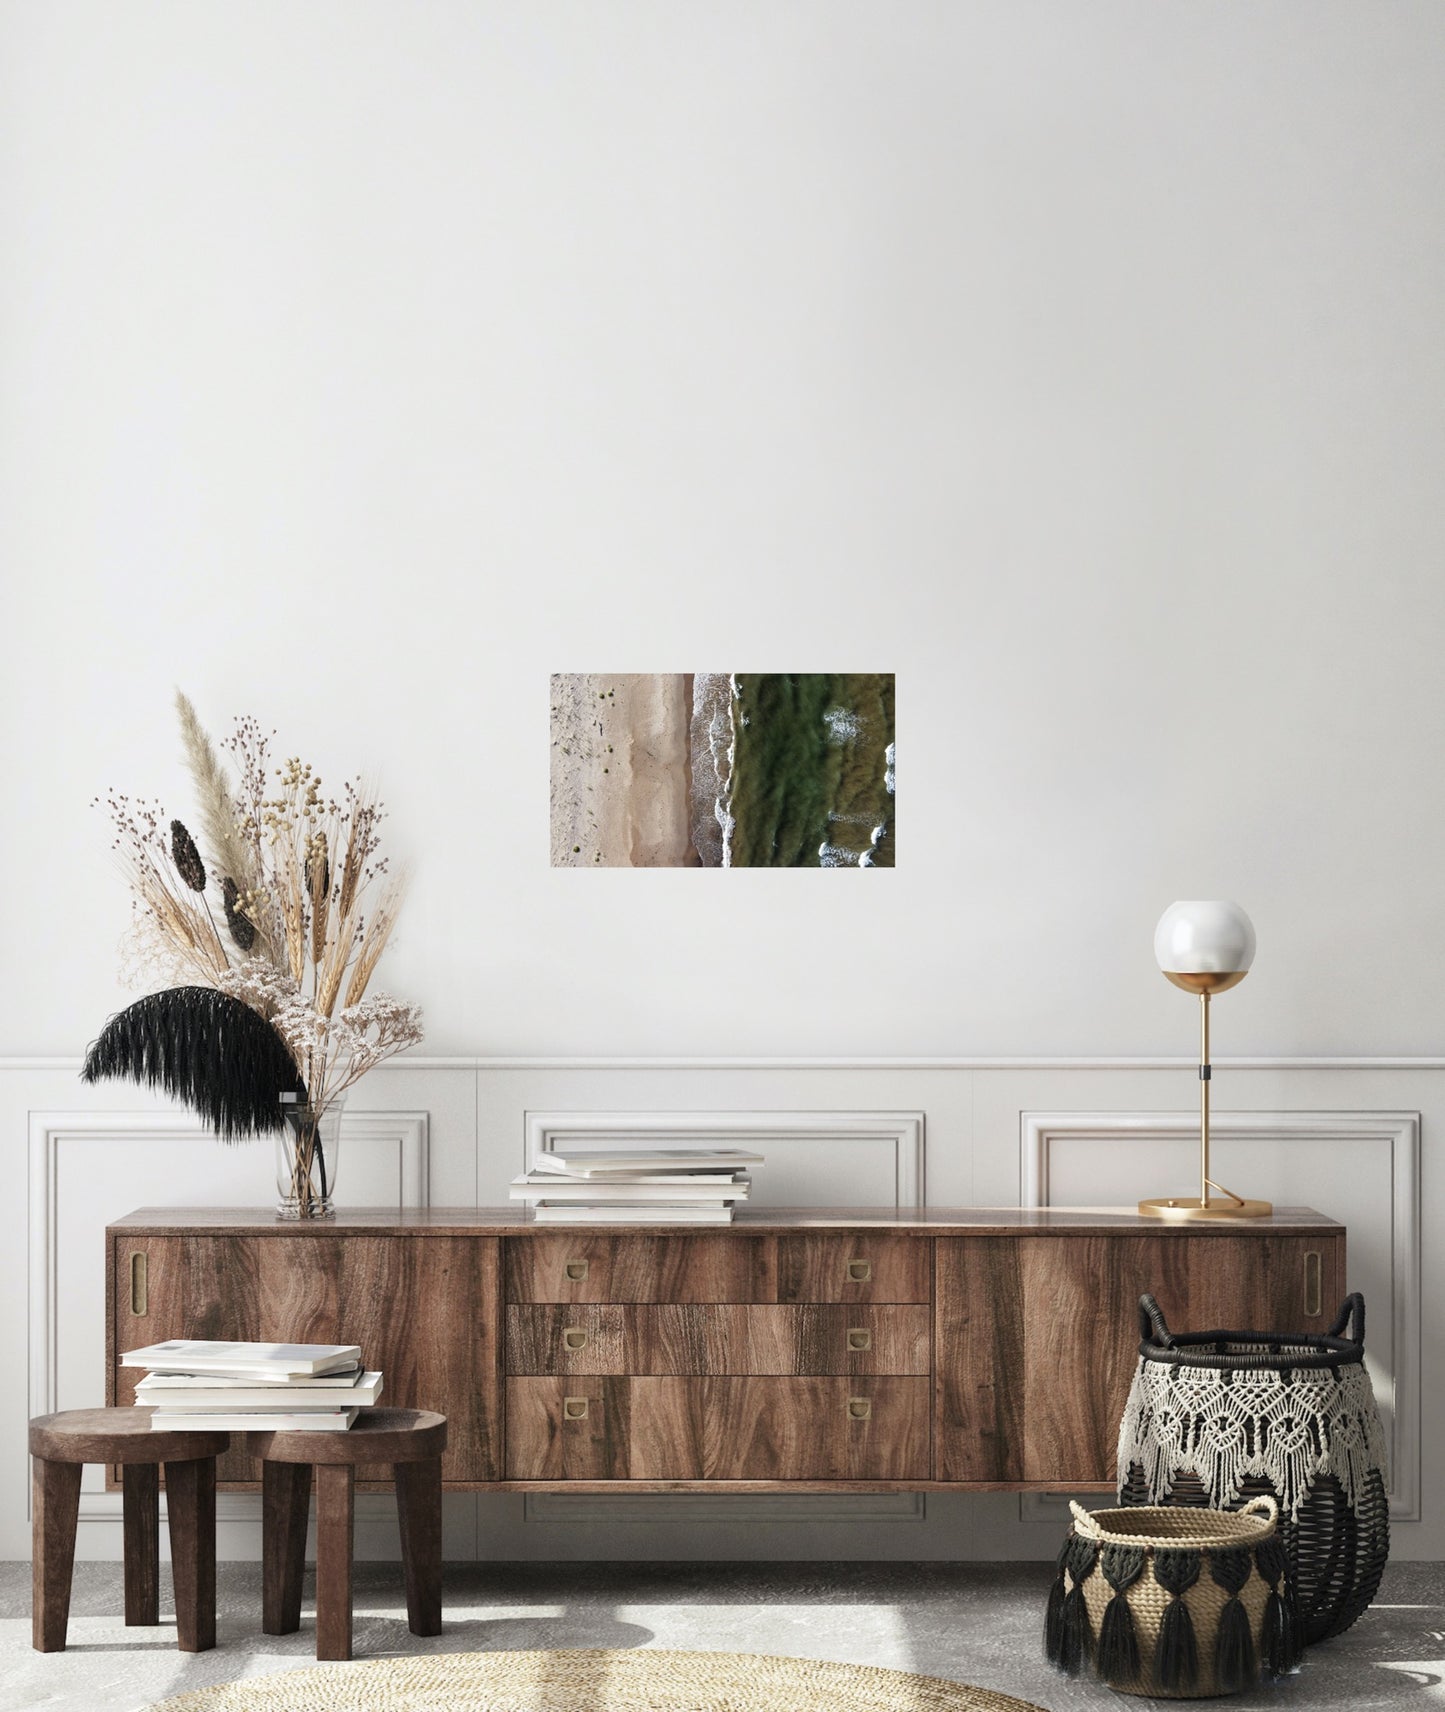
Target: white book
x: 600, y: 1190
x: 596, y: 1164
x: 198, y: 1396
x: 244, y: 1360
x: 715, y: 1178
x: 548, y: 1214
x: 253, y: 1421
x: 271, y: 1388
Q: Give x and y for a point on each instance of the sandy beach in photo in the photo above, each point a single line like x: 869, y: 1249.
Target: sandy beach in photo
x: 620, y: 770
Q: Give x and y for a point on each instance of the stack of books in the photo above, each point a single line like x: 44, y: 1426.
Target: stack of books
x: 676, y: 1186
x: 198, y: 1386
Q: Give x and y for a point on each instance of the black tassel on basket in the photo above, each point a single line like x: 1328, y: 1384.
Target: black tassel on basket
x: 1054, y: 1615
x: 217, y: 1055
x: 1176, y: 1653
x: 1074, y: 1635
x: 1281, y: 1642
x: 1234, y: 1661
x: 1118, y: 1656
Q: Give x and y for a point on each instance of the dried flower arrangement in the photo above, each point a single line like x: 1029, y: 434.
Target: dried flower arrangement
x: 304, y: 908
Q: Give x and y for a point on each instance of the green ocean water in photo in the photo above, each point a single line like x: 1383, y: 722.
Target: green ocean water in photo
x: 813, y: 771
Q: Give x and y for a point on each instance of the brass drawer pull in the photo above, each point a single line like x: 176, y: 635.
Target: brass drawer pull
x: 574, y: 1408
x: 860, y: 1337
x: 576, y: 1270
x: 139, y: 1285
x: 860, y: 1408
x: 1313, y: 1300
x: 574, y: 1337
x: 859, y: 1271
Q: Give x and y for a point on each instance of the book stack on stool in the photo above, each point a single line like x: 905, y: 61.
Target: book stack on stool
x: 675, y: 1186
x: 197, y: 1385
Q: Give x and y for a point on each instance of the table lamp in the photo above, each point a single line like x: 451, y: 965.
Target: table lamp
x: 1205, y: 948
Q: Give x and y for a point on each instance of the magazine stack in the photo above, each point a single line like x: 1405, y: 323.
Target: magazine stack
x: 672, y: 1186
x: 199, y: 1386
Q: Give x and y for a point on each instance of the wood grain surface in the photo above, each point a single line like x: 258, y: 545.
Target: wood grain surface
x: 335, y: 1540
x: 141, y: 1541
x: 1018, y: 1325
x: 642, y: 1266
x: 54, y: 1516
x: 544, y: 1442
x: 285, y: 1506
x: 699, y: 1338
x: 779, y: 1429
x: 866, y: 1266
x: 979, y: 1339
x: 1080, y: 1305
x: 423, y: 1311
x: 191, y: 1523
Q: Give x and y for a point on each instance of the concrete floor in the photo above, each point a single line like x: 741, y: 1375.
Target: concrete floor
x: 977, y: 1623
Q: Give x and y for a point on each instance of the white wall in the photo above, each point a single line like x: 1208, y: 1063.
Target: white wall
x: 362, y: 364
x: 365, y: 363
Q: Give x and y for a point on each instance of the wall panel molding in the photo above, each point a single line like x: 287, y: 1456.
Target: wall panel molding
x: 904, y: 1132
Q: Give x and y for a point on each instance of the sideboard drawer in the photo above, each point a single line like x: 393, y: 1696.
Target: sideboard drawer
x: 700, y: 1338
x: 597, y: 1428
x: 780, y: 1429
x: 642, y: 1266
x: 856, y: 1266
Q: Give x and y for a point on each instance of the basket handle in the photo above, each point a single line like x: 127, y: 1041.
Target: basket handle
x: 1354, y: 1309
x: 1082, y: 1517
x: 1151, y: 1322
x: 1262, y: 1506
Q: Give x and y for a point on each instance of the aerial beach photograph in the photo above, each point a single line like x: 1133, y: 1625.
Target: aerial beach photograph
x: 723, y: 770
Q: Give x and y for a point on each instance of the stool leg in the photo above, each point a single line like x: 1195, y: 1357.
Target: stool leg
x: 141, y: 1528
x: 285, y: 1498
x: 335, y: 1503
x: 419, y: 1511
x: 191, y: 1511
x: 55, y: 1512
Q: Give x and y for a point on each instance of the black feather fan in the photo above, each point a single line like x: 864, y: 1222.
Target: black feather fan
x: 224, y: 1060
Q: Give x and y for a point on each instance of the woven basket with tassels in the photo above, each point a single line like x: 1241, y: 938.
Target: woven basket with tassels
x: 1173, y: 1602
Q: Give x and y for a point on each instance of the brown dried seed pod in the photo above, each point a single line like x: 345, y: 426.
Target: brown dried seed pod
x: 187, y: 858
x: 243, y: 931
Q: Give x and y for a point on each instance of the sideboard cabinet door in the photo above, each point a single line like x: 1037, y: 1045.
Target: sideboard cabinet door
x: 1037, y: 1337
x: 422, y: 1308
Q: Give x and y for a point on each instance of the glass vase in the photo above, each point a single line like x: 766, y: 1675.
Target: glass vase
x: 306, y: 1152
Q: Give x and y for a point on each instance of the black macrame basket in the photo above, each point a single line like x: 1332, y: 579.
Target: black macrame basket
x: 1216, y: 1418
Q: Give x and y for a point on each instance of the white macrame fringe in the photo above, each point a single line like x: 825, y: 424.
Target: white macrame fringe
x: 1225, y: 1427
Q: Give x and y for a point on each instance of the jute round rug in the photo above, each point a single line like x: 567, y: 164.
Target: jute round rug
x: 592, y: 1681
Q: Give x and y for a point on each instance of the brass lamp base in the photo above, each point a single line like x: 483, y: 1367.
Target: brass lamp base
x: 1182, y: 1207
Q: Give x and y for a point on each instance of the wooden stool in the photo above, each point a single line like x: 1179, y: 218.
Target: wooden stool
x: 61, y: 1445
x: 412, y: 1440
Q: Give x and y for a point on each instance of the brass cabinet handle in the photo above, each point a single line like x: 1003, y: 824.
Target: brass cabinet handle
x: 1313, y: 1287
x: 574, y: 1337
x: 139, y: 1285
x: 860, y: 1337
x: 859, y: 1408
x: 576, y: 1270
x: 859, y: 1271
x: 574, y: 1408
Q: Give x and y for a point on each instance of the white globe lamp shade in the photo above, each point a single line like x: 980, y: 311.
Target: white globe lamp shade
x: 1204, y: 945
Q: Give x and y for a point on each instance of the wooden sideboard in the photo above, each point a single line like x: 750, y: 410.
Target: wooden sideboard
x: 969, y: 1350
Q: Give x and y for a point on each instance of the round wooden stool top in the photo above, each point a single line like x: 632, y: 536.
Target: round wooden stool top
x: 117, y: 1435
x: 377, y: 1435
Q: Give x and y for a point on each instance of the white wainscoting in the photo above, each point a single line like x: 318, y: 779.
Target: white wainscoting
x: 1342, y: 1135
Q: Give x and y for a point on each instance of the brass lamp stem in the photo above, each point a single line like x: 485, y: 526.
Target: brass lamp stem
x: 1204, y: 1099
